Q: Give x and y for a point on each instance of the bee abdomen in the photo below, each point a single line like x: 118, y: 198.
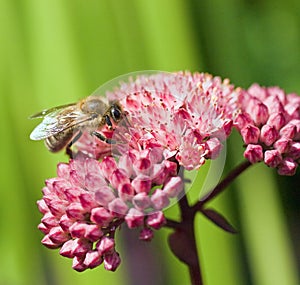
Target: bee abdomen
x: 59, y: 141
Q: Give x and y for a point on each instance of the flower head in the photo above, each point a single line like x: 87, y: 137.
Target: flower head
x: 185, y: 114
x: 269, y: 123
x: 89, y: 200
x: 171, y: 120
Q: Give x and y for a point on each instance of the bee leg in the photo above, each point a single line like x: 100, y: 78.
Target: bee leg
x: 103, y: 138
x: 69, y: 151
x: 108, y: 122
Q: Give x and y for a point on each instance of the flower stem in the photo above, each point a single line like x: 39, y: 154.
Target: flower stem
x: 194, y: 267
x: 183, y: 241
x: 222, y: 185
x: 187, y: 223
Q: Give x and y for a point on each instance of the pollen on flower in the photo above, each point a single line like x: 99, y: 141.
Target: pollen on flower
x: 269, y: 123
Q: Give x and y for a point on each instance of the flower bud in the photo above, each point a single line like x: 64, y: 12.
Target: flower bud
x: 112, y: 261
x: 250, y: 134
x: 171, y: 167
x: 87, y: 201
x: 63, y: 170
x: 75, y: 211
x: 57, y: 235
x: 173, y: 187
x: 272, y: 158
x: 49, y: 220
x: 282, y: 145
x: 57, y: 207
x: 287, y: 167
x: 294, y: 151
x: 81, y: 247
x: 93, y: 233
x: 293, y: 109
x: 277, y: 120
x: 242, y: 120
x: 296, y: 123
x: 159, y: 173
x: 254, y: 153
x: 142, y: 165
x: 214, y: 147
x: 77, y: 230
x: 268, y: 135
x: 125, y: 163
x: 118, y: 177
x: 159, y: 199
x: 260, y: 113
x: 156, y: 220
x: 141, y: 184
x: 126, y: 191
x: 78, y: 264
x: 106, y: 245
x: 288, y: 131
x: 43, y: 228
x: 46, y: 241
x: 108, y: 166
x: 43, y: 208
x: 134, y: 218
x: 72, y: 194
x: 146, y: 234
x: 101, y: 216
x: 67, y: 248
x: 104, y: 196
x: 118, y: 207
x: 92, y: 259
x: 141, y: 201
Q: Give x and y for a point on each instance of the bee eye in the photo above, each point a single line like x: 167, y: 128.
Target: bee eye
x: 115, y: 113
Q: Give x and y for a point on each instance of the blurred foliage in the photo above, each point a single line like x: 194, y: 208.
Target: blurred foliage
x: 55, y: 52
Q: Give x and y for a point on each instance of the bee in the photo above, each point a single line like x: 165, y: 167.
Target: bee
x: 62, y: 126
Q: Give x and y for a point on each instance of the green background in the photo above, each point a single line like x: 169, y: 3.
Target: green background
x: 54, y: 52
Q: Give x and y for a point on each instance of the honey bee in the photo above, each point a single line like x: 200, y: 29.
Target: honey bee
x: 62, y: 126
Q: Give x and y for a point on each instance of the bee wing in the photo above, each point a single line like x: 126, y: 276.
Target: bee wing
x: 53, y: 110
x: 57, y: 120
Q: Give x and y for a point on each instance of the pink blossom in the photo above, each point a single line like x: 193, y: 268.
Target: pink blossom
x: 170, y: 121
x: 269, y: 123
x: 183, y: 115
x: 81, y: 216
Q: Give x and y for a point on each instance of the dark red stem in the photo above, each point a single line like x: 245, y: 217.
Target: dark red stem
x: 222, y: 185
x: 185, y: 227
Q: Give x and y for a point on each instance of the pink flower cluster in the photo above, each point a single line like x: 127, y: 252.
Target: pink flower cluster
x: 170, y: 120
x: 188, y: 115
x: 269, y: 124
x: 89, y: 200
